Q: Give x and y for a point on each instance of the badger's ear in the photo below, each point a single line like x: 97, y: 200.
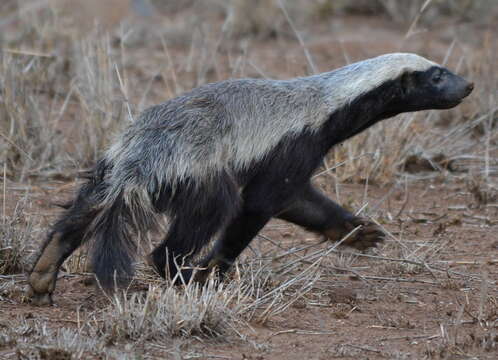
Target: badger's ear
x: 407, y: 82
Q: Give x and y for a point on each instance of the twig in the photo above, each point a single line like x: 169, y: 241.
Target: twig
x: 470, y: 262
x: 340, y: 164
x: 290, y: 331
x: 377, y: 257
x: 273, y: 242
x: 174, y: 77
x: 297, y: 331
x: 305, y: 261
x: 364, y: 348
x: 16, y: 146
x: 314, y: 332
x: 422, y: 264
x: 11, y: 277
x: 320, y: 252
x: 258, y: 69
x: 381, y: 278
x: 405, y: 202
x: 388, y: 233
x: 4, y: 207
x: 31, y: 6
x: 428, y: 337
x: 411, y: 31
x: 27, y: 53
x: 299, y: 38
x: 124, y: 92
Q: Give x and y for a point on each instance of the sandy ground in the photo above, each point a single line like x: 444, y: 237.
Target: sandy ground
x: 378, y: 307
x: 373, y: 310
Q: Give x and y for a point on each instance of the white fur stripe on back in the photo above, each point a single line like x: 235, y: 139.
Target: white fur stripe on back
x: 232, y: 124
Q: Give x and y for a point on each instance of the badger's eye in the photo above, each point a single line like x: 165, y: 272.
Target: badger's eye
x: 437, y: 77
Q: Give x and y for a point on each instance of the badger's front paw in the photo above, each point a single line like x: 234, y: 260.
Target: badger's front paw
x: 368, y: 235
x: 40, y: 287
x: 37, y: 299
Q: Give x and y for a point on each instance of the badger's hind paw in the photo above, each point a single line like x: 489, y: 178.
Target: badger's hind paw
x: 368, y: 235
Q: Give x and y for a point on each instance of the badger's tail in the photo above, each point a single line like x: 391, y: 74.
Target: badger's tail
x: 113, y: 248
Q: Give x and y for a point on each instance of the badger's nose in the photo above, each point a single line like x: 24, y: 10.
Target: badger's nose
x: 470, y: 87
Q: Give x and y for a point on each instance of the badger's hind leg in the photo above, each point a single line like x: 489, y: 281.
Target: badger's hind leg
x: 314, y: 211
x: 260, y: 203
x: 198, y: 213
x: 236, y: 238
x: 65, y: 237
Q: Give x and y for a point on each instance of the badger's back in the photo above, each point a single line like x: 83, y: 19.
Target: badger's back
x: 216, y: 127
x: 229, y: 125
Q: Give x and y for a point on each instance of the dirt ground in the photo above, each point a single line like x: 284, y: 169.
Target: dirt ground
x: 371, y: 310
x: 430, y: 291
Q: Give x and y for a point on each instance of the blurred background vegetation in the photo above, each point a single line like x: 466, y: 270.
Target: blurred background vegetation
x: 74, y: 72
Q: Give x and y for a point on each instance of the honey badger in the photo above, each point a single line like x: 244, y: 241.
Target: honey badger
x: 223, y: 159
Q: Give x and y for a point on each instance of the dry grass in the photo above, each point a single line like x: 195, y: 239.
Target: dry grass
x: 165, y: 312
x: 34, y: 340
x: 56, y: 89
x: 134, y: 322
x: 17, y: 232
x: 215, y: 310
x: 86, y: 89
x: 30, y: 144
x: 64, y: 95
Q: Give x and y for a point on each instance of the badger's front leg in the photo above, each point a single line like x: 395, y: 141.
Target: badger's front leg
x: 314, y: 211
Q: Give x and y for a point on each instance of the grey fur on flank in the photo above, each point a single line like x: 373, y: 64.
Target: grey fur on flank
x: 230, y: 124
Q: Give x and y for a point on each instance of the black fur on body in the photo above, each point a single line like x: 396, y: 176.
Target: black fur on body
x: 209, y: 192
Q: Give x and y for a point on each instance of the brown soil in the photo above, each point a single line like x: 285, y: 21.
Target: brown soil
x: 396, y: 315
x: 374, y: 309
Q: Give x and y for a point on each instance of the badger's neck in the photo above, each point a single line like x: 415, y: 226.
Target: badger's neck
x: 299, y: 153
x: 348, y: 118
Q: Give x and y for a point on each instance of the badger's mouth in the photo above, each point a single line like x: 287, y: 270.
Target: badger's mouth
x: 448, y: 104
x: 468, y: 90
x: 452, y: 103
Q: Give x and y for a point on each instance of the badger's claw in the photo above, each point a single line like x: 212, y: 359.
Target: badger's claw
x: 41, y: 285
x: 37, y: 299
x: 368, y: 235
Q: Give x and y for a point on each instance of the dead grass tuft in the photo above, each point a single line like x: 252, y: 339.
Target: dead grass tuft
x: 33, y: 339
x: 162, y: 313
x: 16, y: 234
x: 30, y: 143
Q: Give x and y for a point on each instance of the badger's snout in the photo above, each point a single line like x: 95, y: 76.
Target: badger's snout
x: 452, y: 90
x: 469, y: 88
x: 459, y: 88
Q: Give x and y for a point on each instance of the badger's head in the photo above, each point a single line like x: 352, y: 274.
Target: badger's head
x: 432, y: 87
x: 392, y: 84
x: 379, y: 88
